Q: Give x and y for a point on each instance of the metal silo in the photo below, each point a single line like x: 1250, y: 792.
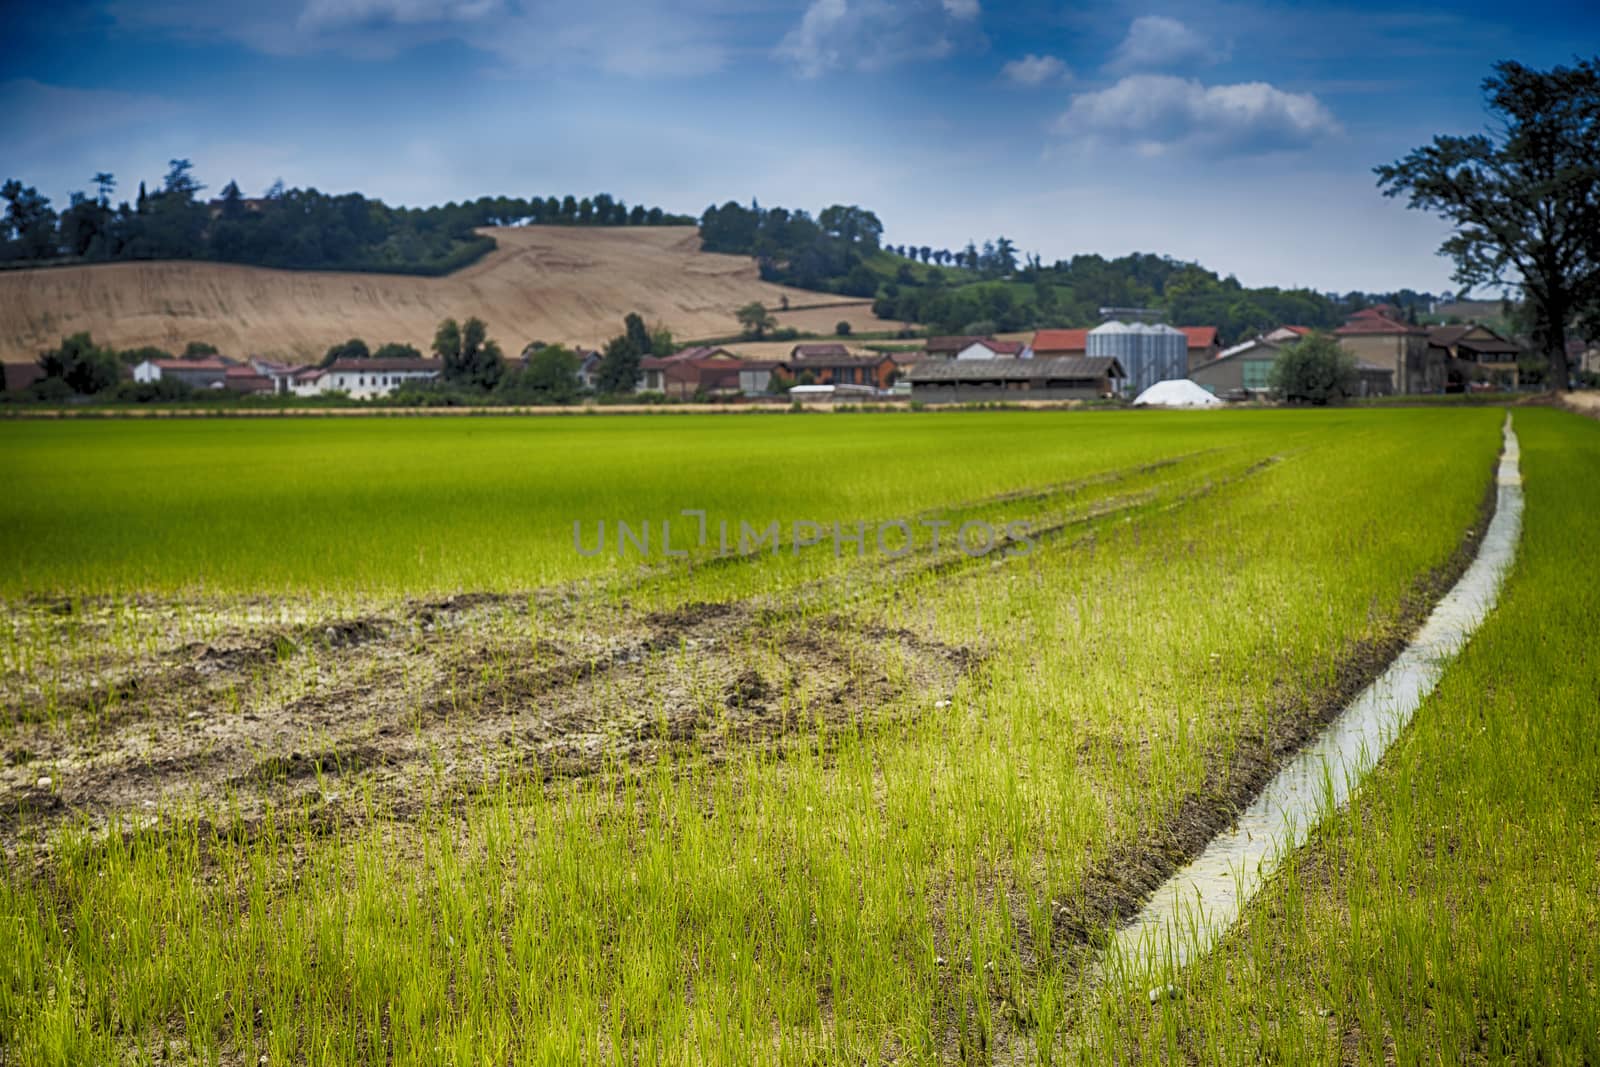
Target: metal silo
x: 1148, y: 354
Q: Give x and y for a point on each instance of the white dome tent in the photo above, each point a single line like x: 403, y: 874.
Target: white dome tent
x: 1176, y: 393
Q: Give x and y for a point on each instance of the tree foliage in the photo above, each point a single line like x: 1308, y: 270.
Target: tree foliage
x: 290, y: 228
x: 355, y: 348
x: 1315, y: 370
x: 1524, y: 200
x: 397, y: 350
x: 550, y: 377
x: 618, y: 371
x: 82, y: 366
x: 756, y: 319
x: 470, y: 357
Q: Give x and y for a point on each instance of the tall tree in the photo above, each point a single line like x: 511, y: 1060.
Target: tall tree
x: 469, y: 356
x: 30, y: 222
x: 618, y: 371
x: 106, y: 183
x: 756, y: 319
x: 84, y: 366
x: 637, y: 333
x: 1524, y: 199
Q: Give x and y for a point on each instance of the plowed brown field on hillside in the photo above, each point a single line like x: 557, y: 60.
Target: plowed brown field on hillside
x: 558, y: 284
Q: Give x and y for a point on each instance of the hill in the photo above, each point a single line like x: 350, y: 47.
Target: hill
x: 551, y: 283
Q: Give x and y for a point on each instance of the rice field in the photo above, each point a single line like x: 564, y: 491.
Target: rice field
x: 336, y: 741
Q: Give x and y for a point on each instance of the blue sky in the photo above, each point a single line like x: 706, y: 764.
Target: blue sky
x: 1241, y: 134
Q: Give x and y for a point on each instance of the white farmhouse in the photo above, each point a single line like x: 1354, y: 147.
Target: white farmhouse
x: 363, y: 379
x: 196, y: 373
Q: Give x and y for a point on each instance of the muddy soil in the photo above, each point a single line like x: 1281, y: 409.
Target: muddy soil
x: 389, y: 704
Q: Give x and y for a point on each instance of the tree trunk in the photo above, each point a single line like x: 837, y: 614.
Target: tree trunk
x: 1554, y: 328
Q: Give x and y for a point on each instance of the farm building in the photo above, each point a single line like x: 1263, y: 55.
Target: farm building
x: 1376, y: 338
x: 1200, y: 343
x: 1149, y: 354
x: 938, y: 381
x: 195, y: 373
x: 946, y: 347
x: 1474, y: 353
x: 985, y: 348
x: 1243, y: 370
x: 363, y: 379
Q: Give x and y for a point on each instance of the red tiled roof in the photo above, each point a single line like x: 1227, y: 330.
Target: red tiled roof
x: 1362, y: 324
x: 384, y: 366
x: 1002, y: 348
x: 1303, y: 331
x: 1200, y: 336
x: 818, y: 351
x: 209, y: 363
x: 1046, y: 341
x: 950, y: 344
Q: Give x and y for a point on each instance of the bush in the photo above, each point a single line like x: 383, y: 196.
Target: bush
x: 842, y: 328
x: 161, y: 389
x: 1315, y: 371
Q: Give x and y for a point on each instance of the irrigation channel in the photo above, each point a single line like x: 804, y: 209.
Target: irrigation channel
x: 1197, y: 905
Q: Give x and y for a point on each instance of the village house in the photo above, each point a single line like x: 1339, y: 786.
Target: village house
x: 247, y: 381
x: 19, y: 376
x: 653, y: 376
x: 1472, y: 353
x: 1584, y: 356
x: 1377, y: 337
x: 836, y: 367
x: 755, y: 376
x: 281, y: 374
x: 363, y: 379
x: 937, y: 381
x: 208, y: 373
x: 588, y: 366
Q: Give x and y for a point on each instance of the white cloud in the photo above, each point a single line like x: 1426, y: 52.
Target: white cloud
x: 327, y: 14
x: 625, y: 37
x: 1035, y: 70
x: 873, y: 34
x: 1157, y: 113
x: 1156, y: 42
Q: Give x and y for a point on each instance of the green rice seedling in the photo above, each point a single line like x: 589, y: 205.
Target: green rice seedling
x: 899, y: 842
x: 1448, y: 913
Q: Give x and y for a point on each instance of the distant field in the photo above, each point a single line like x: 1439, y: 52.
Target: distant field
x: 324, y: 743
x: 552, y: 283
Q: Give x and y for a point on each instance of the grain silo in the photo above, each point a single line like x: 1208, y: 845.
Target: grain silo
x: 1148, y: 354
